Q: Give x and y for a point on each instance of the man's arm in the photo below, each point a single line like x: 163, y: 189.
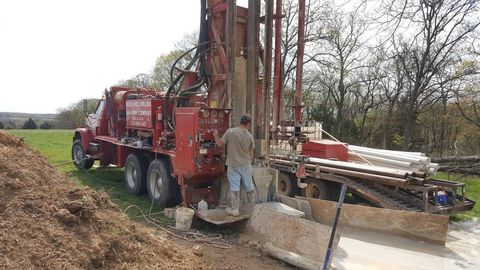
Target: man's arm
x: 218, y: 140
x: 252, y: 146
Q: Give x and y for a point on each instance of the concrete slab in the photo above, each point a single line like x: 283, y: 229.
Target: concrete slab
x: 423, y: 226
x: 298, y: 203
x: 284, y: 209
x: 294, y: 234
x: 362, y: 250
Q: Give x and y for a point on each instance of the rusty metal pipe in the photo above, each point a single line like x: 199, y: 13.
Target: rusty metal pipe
x: 299, y: 68
x: 267, y: 79
x: 252, y: 61
x: 353, y: 167
x: 231, y: 57
x: 277, y: 70
x: 380, y: 179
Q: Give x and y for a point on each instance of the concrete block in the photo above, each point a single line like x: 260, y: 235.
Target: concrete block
x: 291, y: 233
x: 416, y: 225
x: 284, y: 209
x: 297, y: 203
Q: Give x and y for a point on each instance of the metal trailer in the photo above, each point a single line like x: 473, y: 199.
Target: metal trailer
x: 375, y: 185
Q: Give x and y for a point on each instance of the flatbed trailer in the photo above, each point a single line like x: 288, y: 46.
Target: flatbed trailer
x: 409, y: 197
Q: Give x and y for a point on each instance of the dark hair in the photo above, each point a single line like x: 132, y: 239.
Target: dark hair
x: 245, y: 119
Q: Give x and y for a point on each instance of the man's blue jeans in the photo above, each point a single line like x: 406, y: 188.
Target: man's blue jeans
x: 243, y: 175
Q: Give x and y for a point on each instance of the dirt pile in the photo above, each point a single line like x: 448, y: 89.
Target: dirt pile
x: 46, y: 222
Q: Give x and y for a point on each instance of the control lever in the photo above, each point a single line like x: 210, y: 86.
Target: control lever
x: 300, y: 184
x: 300, y: 173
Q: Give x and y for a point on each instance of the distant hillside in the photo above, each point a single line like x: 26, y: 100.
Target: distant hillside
x: 16, y: 119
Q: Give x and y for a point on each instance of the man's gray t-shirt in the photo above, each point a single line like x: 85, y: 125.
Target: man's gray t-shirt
x: 238, y: 141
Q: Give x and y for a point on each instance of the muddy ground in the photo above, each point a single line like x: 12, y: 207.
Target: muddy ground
x: 47, y: 222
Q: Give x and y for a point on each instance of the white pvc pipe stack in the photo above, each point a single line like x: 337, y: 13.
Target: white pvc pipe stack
x: 387, y: 152
x: 395, y: 172
x: 433, y: 168
x: 379, y: 161
x: 410, y: 161
x: 397, y: 155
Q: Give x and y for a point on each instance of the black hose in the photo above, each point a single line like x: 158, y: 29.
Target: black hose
x: 201, y: 48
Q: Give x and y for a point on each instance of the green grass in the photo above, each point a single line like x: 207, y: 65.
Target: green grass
x: 55, y: 145
x: 472, y: 192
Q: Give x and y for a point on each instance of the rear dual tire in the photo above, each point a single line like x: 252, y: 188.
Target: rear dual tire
x: 154, y: 178
x: 162, y: 187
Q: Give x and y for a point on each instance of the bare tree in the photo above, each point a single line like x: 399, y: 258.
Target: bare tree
x: 438, y: 28
x: 338, y: 58
x: 392, y: 85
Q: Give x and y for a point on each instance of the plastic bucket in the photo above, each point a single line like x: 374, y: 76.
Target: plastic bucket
x: 183, y: 218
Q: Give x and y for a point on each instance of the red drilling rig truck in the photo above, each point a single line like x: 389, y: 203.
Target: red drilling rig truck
x: 164, y: 137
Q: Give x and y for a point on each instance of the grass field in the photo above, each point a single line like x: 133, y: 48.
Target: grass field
x: 473, y: 193
x: 55, y: 145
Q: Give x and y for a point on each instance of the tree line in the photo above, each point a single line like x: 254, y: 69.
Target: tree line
x: 391, y: 74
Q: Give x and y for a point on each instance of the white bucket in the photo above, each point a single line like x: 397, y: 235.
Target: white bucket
x: 183, y: 218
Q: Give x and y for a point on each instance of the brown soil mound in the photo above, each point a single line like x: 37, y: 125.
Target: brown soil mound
x: 46, y: 222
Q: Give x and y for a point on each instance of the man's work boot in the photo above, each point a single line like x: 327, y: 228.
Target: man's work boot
x: 235, y: 203
x: 251, y: 197
x: 248, y: 206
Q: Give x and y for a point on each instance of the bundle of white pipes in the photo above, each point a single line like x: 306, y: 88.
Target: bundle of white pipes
x: 409, y: 161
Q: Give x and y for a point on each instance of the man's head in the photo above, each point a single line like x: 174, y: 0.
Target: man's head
x: 245, y: 121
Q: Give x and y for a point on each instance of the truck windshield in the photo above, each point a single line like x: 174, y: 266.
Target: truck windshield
x: 99, y: 109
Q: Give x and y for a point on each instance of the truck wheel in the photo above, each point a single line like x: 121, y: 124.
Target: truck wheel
x: 78, y: 156
x: 160, y: 185
x: 316, y: 189
x: 286, y: 185
x: 135, y: 174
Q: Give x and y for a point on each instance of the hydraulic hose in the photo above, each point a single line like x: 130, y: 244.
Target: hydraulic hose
x: 201, y: 48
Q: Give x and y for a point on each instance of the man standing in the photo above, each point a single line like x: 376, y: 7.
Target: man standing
x: 240, y: 146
